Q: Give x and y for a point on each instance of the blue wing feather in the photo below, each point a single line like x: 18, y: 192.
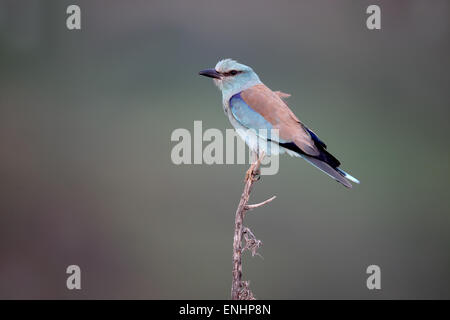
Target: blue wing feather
x: 316, y: 138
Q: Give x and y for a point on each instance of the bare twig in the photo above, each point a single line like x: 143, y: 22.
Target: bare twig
x: 257, y: 205
x: 240, y: 289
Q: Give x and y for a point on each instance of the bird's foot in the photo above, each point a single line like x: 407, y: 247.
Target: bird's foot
x: 253, y: 173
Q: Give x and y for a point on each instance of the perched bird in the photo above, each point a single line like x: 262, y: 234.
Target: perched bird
x: 249, y: 104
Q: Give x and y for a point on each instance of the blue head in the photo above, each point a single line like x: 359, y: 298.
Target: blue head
x: 232, y: 77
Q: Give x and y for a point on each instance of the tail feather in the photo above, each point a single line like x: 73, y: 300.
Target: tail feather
x: 348, y: 176
x: 326, y: 168
x: 326, y: 162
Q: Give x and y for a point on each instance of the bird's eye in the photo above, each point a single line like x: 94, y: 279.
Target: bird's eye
x: 233, y: 72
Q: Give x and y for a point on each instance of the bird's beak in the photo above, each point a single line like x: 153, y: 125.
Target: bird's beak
x: 211, y: 73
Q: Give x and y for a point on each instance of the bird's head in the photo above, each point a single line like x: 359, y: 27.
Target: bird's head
x: 231, y: 76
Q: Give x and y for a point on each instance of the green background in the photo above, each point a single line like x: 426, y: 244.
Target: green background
x: 86, y: 176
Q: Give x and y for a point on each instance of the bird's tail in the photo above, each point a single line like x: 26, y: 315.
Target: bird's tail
x: 348, y: 176
x: 337, y: 174
x: 334, y: 172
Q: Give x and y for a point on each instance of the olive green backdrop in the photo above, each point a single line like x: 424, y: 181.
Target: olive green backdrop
x: 86, y: 176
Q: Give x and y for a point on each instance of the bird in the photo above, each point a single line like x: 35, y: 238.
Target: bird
x: 251, y: 106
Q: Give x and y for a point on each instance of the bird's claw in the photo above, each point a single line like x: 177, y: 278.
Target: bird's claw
x: 252, y: 174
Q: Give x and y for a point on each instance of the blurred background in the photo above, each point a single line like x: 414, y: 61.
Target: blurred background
x: 86, y: 176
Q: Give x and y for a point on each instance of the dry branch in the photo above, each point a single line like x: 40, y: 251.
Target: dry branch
x: 240, y: 289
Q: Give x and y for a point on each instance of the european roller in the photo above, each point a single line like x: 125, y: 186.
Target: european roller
x: 253, y: 107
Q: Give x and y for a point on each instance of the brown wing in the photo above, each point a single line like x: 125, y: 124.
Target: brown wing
x: 269, y: 104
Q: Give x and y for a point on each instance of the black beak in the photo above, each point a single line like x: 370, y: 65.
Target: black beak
x: 211, y: 73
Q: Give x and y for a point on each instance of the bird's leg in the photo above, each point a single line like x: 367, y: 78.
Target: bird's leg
x: 249, y: 173
x: 253, y: 172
